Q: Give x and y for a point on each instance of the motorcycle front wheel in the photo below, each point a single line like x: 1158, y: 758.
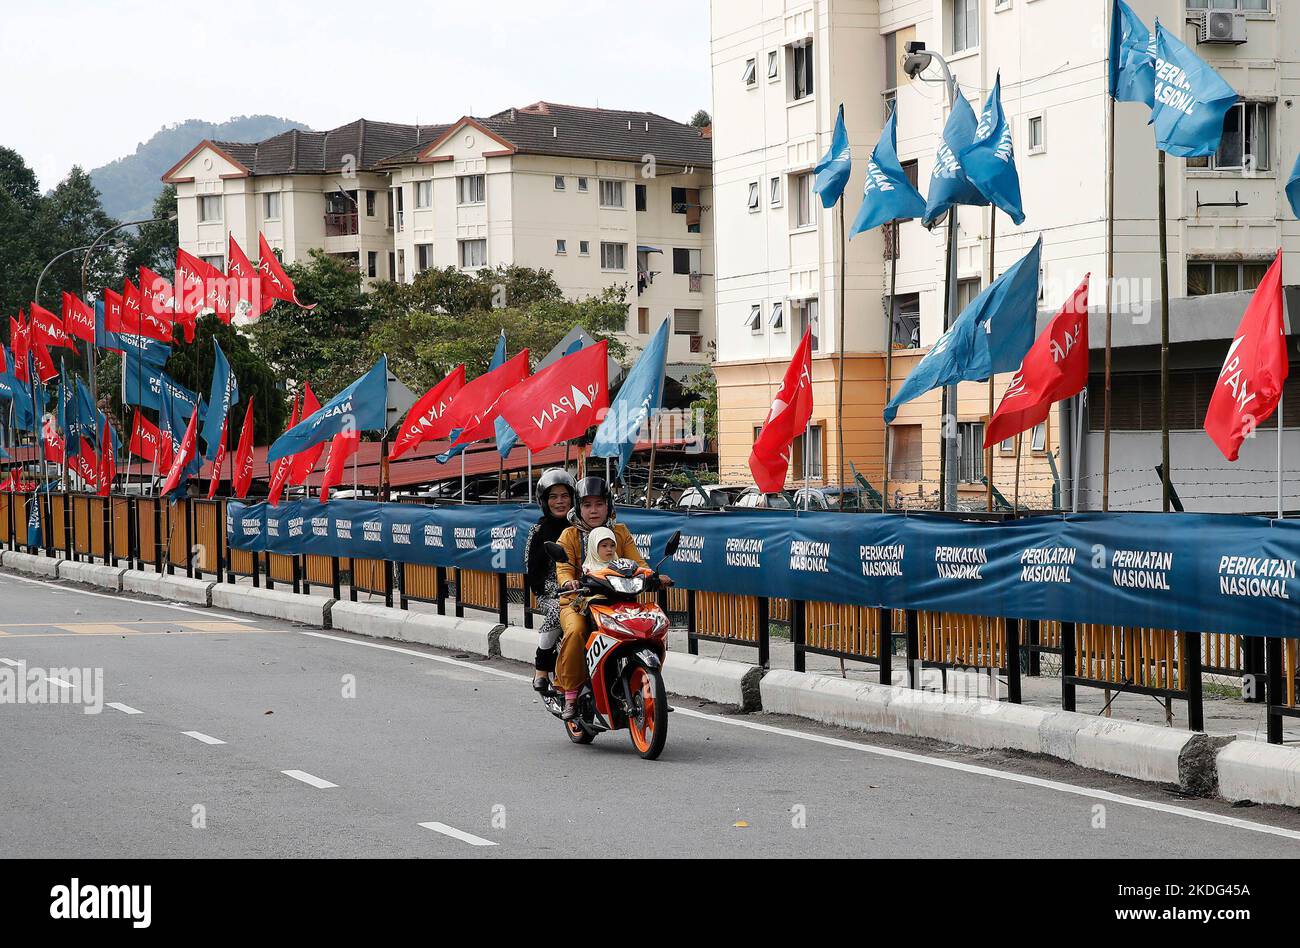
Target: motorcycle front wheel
x: 577, y: 733
x: 648, y: 720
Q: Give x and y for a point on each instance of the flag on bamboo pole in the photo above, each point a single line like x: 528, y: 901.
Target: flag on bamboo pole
x: 50, y: 330
x: 1132, y: 65
x: 887, y: 193
x: 949, y: 185
x: 280, y: 469
x: 560, y: 402
x: 107, y: 461
x: 243, y: 476
x: 215, y: 480
x: 769, y: 461
x: 147, y: 442
x: 426, y: 419
x: 78, y: 318
x: 276, y: 284
x: 303, y: 463
x: 835, y: 166
x: 223, y: 394
x: 990, y: 160
x: 633, y: 408
x: 157, y: 306
x: 185, y: 453
x: 1191, y: 100
x: 363, y: 405
x: 246, y: 285
x: 473, y: 412
x: 342, y: 446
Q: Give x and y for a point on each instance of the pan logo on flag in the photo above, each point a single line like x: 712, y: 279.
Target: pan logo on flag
x: 1232, y: 376
x: 574, y: 402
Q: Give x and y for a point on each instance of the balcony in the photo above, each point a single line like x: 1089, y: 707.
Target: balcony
x: 342, y: 224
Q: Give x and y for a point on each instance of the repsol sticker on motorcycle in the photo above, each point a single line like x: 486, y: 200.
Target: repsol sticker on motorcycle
x: 596, y: 647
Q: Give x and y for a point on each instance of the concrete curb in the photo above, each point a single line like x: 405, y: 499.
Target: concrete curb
x: 92, y: 574
x: 1142, y: 751
x: 1261, y: 773
x: 713, y: 679
x: 462, y: 635
x: 292, y: 607
x: 31, y: 564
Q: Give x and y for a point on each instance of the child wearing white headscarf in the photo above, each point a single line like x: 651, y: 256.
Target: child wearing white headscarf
x: 602, y: 548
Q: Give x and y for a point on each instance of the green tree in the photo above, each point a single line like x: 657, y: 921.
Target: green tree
x: 73, y: 216
x: 701, y: 119
x: 154, y: 245
x: 23, y: 245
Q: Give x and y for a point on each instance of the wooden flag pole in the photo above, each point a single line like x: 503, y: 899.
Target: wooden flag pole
x: 1164, y: 336
x: 889, y: 363
x: 654, y: 442
x: 1015, y: 501
x: 1110, y: 283
x: 988, y: 454
x: 1280, y: 511
x: 839, y: 388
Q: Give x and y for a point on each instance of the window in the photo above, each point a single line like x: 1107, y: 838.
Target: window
x: 561, y: 245
x: 640, y: 197
x: 1035, y: 135
x: 679, y: 200
x: 1224, y: 276
x: 905, y: 452
x: 970, y: 451
x: 965, y: 24
x: 773, y: 67
x: 400, y: 272
x: 370, y: 204
x: 423, y: 194
x: 613, y: 256
x: 907, y: 321
x: 611, y: 193
x: 686, y: 322
x: 473, y: 253
x: 423, y: 257
x: 801, y: 67
x: 892, y: 60
x: 470, y: 189
x: 643, y: 320
x: 209, y: 208
x: 1000, y: 5
x: 1246, y: 145
x: 584, y: 248
x: 392, y: 265
x: 805, y: 200
x: 686, y: 261
x: 582, y: 185
x: 397, y: 202
x: 755, y: 321
x: 753, y: 196
x: 967, y: 290
x: 813, y: 457
x: 217, y: 261
x: 774, y: 192
x: 271, y: 205
x: 1039, y: 442
x: 372, y: 264
x: 805, y: 317
x: 1261, y: 5
x: 778, y: 317
x: 1135, y: 398
x: 559, y: 182
x: 750, y: 76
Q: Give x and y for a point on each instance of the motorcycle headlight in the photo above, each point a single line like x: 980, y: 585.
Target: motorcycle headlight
x: 628, y: 585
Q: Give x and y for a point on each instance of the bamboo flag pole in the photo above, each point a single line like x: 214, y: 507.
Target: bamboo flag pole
x: 654, y: 442
x: 1110, y: 283
x: 1015, y: 497
x: 1280, y: 511
x: 992, y: 269
x: 1164, y: 336
x: 889, y: 362
x: 839, y: 388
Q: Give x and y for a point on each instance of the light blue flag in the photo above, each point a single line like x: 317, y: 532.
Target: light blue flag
x: 151, y: 351
x: 224, y: 394
x: 992, y: 334
x: 1293, y: 188
x: 887, y: 194
x: 362, y: 406
x: 35, y: 536
x: 173, y: 421
x: 990, y: 160
x: 149, y: 387
x: 949, y: 185
x: 1132, y: 67
x: 21, y: 395
x: 498, y: 360
x: 1191, y: 100
x: 641, y: 395
x: 506, y: 437
x: 836, y: 165
x: 89, y: 423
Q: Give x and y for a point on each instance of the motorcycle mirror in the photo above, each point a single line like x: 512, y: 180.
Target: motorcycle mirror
x: 673, y: 542
x: 557, y: 552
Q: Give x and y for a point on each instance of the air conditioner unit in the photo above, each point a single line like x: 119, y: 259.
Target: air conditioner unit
x: 1222, y: 27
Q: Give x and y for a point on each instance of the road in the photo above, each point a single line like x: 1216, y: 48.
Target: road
x: 237, y: 736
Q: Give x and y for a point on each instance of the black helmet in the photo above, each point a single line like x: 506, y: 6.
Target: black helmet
x: 556, y: 476
x: 594, y: 487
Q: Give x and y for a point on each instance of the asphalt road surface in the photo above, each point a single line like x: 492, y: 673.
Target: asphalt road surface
x: 225, y: 735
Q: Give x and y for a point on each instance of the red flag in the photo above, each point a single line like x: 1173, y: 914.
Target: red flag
x: 562, y: 401
x: 78, y: 318
x: 1054, y: 368
x: 45, y: 369
x: 342, y: 446
x: 220, y: 460
x: 476, y: 407
x: 49, y: 328
x: 246, y: 282
x: 130, y: 309
x: 52, y: 440
x: 84, y: 464
x: 147, y: 441
x: 183, y: 455
x: 19, y: 342
x: 426, y: 419
x: 4, y: 363
x: 1250, y: 383
x: 305, y: 462
x: 113, y: 320
x: 280, y: 473
x: 244, y: 456
x: 156, y: 306
x: 199, y: 286
x: 107, y: 462
x: 276, y: 284
x: 788, y: 417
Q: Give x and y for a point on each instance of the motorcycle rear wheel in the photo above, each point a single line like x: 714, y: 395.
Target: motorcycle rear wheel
x: 648, y: 722
x: 577, y: 733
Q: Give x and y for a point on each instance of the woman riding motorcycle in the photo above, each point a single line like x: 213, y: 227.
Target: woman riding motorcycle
x: 557, y: 495
x: 595, y: 509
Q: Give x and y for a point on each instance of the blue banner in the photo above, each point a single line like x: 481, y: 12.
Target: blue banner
x: 639, y: 397
x: 1191, y: 100
x: 362, y: 406
x: 990, y: 161
x: 887, y: 193
x: 224, y: 394
x: 150, y: 387
x: 835, y: 166
x: 1132, y: 66
x: 949, y: 185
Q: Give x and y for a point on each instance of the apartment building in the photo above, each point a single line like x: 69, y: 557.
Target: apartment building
x: 782, y: 68
x: 602, y: 197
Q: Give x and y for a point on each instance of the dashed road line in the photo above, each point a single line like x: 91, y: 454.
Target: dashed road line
x: 461, y: 835
x: 200, y: 736
x: 308, y: 779
x: 124, y: 708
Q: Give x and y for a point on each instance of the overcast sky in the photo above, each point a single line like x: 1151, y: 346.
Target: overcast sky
x: 85, y: 82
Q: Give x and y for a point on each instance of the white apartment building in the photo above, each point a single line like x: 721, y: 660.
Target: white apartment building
x: 602, y: 197
x: 782, y: 68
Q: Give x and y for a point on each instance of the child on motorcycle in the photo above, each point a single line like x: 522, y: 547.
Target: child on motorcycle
x: 602, y: 549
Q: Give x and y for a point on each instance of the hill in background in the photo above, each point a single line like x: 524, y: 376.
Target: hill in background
x: 129, y: 185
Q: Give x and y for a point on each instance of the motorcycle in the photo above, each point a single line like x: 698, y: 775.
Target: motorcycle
x: 626, y: 643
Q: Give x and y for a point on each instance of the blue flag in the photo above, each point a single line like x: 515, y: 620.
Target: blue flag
x: 506, y: 437
x: 35, y: 536
x: 1293, y: 188
x: 1132, y: 66
x: 19, y: 394
x: 992, y: 334
x: 89, y: 421
x: 173, y: 420
x: 990, y: 161
x: 836, y: 165
x: 151, y: 351
x: 224, y: 393
x: 641, y: 395
x: 949, y: 185
x: 1191, y: 100
x: 362, y: 406
x: 887, y: 194
x: 498, y: 360
x: 150, y: 387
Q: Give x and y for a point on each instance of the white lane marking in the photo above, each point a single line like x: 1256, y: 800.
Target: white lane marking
x: 461, y: 835
x: 10, y: 662
x: 124, y: 708
x: 126, y: 597
x: 60, y: 682
x: 1055, y: 785
x: 200, y: 736
x: 307, y: 778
